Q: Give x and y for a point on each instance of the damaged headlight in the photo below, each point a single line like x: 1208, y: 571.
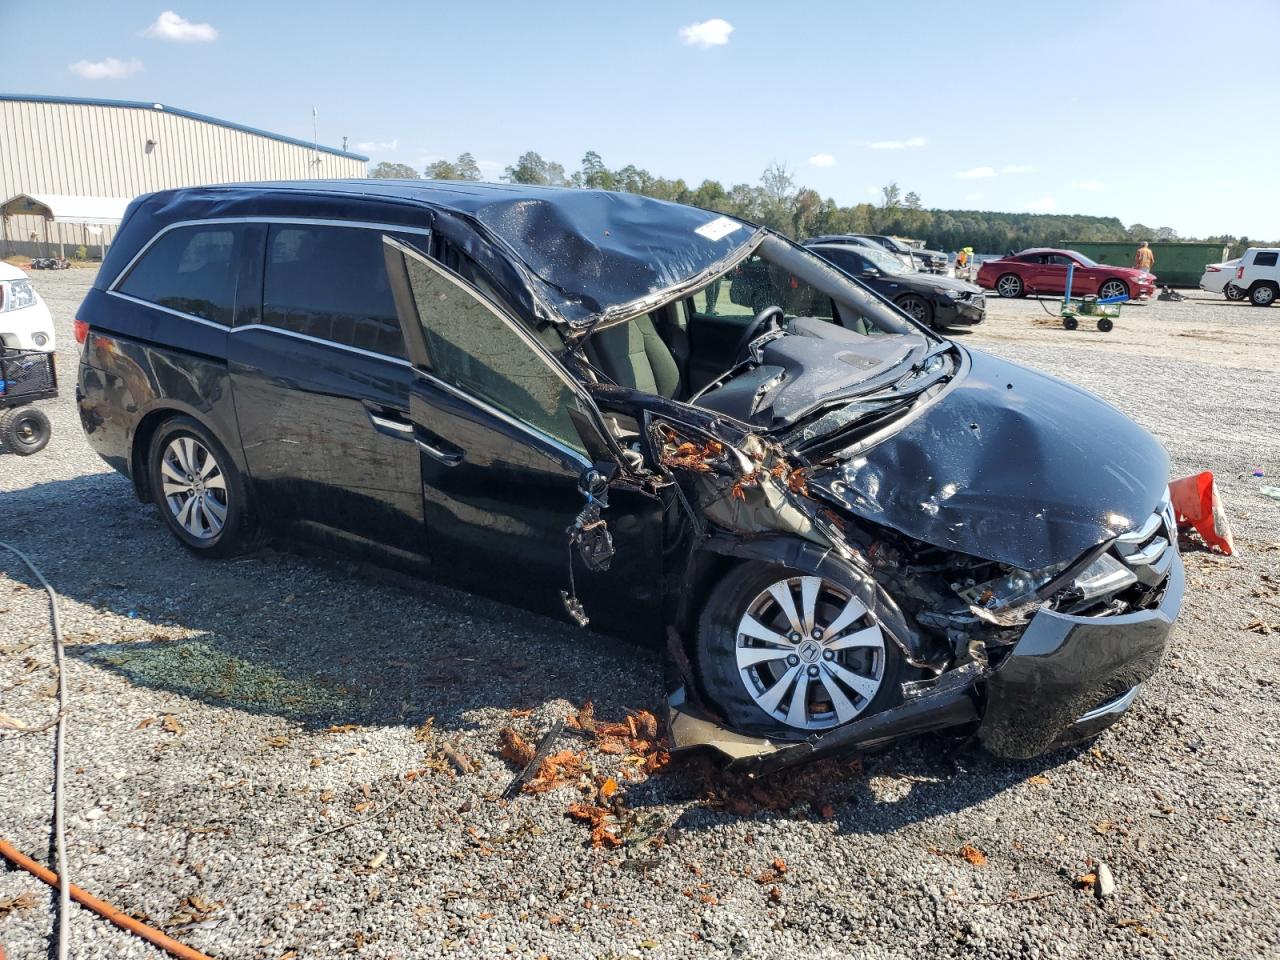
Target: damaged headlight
x: 1013, y: 589
x: 1104, y: 576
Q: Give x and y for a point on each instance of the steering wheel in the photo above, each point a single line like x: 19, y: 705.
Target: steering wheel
x: 768, y: 318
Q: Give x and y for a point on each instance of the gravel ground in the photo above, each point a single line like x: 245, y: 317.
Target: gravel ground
x: 225, y: 715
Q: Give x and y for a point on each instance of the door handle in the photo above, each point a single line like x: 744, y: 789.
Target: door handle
x: 450, y: 458
x: 391, y: 424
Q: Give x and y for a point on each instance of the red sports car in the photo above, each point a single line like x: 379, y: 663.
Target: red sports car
x: 1042, y: 270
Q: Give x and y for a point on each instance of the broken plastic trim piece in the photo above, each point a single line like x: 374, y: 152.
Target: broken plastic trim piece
x: 952, y: 702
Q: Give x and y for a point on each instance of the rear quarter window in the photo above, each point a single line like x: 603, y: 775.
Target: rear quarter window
x: 331, y: 283
x: 1265, y: 258
x: 193, y: 270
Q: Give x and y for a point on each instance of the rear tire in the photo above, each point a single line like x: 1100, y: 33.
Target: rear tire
x: 1010, y: 286
x: 1232, y: 292
x: 24, y: 430
x: 200, y: 494
x: 739, y: 671
x: 1105, y: 324
x: 1262, y: 295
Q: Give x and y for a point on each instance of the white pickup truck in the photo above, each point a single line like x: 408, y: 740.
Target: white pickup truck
x: 1258, y: 275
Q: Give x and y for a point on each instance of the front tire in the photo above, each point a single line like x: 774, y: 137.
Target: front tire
x: 199, y: 492
x: 1010, y: 286
x: 1113, y: 288
x: 917, y: 307
x: 784, y: 653
x: 24, y: 430
x: 1262, y: 295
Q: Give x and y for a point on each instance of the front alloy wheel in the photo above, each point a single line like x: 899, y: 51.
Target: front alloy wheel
x: 917, y: 308
x: 1232, y: 292
x: 788, y: 653
x: 1113, y: 288
x: 808, y: 654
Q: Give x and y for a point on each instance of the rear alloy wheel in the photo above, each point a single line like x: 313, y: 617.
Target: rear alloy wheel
x: 1232, y: 292
x: 1262, y: 295
x: 1113, y: 288
x: 790, y: 653
x: 918, y: 308
x: 24, y: 431
x: 1009, y: 286
x: 197, y: 489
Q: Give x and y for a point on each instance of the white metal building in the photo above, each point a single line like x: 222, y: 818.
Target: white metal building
x: 99, y: 149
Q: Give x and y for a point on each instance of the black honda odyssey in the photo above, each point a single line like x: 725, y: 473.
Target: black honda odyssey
x: 667, y: 422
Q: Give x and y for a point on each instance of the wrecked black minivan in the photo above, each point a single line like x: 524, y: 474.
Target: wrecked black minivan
x: 669, y: 423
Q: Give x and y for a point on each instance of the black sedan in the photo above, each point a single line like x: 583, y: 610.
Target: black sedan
x: 934, y: 301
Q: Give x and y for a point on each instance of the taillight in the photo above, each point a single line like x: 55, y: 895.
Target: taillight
x: 81, y: 330
x: 1213, y: 270
x: 1240, y: 272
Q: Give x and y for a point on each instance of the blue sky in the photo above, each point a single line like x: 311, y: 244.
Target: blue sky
x: 1159, y: 113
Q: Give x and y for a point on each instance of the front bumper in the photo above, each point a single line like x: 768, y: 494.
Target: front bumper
x: 950, y: 312
x: 1068, y: 678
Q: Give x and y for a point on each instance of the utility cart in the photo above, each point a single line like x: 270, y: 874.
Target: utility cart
x: 26, y: 376
x: 1105, y: 312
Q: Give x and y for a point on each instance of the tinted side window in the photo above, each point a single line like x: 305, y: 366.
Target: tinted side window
x: 474, y: 349
x: 191, y: 269
x: 1265, y: 258
x: 331, y: 283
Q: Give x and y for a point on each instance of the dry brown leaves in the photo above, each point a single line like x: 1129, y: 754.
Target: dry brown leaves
x: 23, y: 902
x: 342, y: 728
x: 774, y: 873
x: 605, y: 829
x: 972, y: 855
x: 968, y: 853
x: 193, y: 909
x: 689, y: 455
x: 720, y: 789
x: 514, y: 748
x: 739, y: 489
x: 638, y: 737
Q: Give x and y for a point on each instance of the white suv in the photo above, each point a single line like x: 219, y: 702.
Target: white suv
x: 1258, y: 275
x: 25, y: 323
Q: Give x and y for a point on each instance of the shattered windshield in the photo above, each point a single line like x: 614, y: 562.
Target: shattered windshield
x: 883, y: 262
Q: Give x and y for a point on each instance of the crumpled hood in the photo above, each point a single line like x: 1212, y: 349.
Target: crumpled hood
x: 1011, y: 465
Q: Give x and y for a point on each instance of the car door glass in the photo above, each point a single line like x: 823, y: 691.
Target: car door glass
x: 331, y: 283
x: 190, y: 269
x: 1265, y: 259
x: 473, y: 348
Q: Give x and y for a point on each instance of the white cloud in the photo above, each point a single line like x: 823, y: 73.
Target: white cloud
x: 108, y: 69
x: 873, y: 191
x: 1017, y: 168
x: 377, y: 146
x: 709, y: 33
x: 170, y: 26
x: 1043, y: 205
x: 976, y: 173
x: 822, y: 160
x: 898, y: 144
x: 1092, y: 186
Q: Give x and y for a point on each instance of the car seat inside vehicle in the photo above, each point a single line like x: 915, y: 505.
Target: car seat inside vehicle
x: 636, y: 354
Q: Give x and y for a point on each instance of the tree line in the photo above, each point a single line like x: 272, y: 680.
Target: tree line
x: 779, y: 202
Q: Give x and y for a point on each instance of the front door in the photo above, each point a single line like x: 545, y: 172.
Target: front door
x: 502, y: 456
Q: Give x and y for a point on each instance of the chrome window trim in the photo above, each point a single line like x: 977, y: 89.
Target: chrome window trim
x: 373, y: 354
x: 505, y: 417
x: 208, y: 221
x: 169, y: 310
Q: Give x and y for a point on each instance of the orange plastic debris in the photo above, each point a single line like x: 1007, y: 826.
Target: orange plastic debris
x: 1196, y: 503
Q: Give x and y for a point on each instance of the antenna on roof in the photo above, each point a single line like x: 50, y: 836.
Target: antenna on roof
x: 315, y: 139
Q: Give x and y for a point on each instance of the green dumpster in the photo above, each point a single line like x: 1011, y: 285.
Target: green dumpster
x: 1178, y: 264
